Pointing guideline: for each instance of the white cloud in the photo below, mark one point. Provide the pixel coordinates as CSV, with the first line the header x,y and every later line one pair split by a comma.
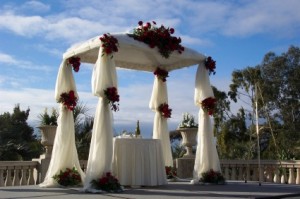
x,y
23,64
27,26
82,20
35,6
271,16
7,59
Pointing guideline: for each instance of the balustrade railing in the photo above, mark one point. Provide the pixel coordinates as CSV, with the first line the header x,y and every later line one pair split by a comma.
x,y
272,171
16,173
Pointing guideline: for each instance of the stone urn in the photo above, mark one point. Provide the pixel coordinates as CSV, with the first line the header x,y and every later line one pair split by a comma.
x,y
48,134
188,140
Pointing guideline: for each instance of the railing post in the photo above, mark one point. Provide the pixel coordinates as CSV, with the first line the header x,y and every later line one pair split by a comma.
x,y
30,177
226,171
283,176
241,172
233,173
248,176
291,176
1,178
16,178
298,176
8,181
276,178
269,173
23,176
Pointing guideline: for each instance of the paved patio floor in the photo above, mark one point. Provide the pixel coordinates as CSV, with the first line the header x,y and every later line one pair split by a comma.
x,y
174,190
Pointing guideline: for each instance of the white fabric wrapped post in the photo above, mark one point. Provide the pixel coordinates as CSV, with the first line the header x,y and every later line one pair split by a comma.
x,y
160,126
206,154
101,149
64,154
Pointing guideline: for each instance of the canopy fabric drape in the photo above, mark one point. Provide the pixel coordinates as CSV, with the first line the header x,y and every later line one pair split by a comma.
x,y
160,126
131,54
206,153
64,154
101,149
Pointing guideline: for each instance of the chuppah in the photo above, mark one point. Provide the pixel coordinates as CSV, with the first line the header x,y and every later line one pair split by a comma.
x,y
148,48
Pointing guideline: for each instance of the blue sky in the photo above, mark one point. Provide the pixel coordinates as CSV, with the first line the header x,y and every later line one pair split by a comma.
x,y
35,34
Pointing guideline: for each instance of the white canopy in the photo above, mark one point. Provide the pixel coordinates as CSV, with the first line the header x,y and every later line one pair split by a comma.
x,y
135,55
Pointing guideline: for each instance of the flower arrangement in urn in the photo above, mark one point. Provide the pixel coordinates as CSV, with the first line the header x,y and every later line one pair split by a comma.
x,y
188,129
47,119
188,121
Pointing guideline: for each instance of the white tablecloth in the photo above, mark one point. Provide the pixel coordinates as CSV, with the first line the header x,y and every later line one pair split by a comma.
x,y
139,162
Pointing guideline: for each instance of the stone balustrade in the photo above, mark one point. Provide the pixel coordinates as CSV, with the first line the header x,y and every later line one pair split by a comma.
x,y
272,171
16,173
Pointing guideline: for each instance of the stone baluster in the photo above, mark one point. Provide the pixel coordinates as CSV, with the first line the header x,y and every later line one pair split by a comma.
x,y
255,174
30,177
276,178
261,173
16,178
283,176
1,178
241,173
292,179
248,175
233,173
298,176
269,174
226,175
8,181
23,176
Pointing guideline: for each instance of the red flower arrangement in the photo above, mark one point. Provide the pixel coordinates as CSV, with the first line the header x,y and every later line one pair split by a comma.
x,y
69,177
210,65
158,37
75,62
170,172
113,98
212,176
107,183
69,100
165,110
208,105
161,74
109,43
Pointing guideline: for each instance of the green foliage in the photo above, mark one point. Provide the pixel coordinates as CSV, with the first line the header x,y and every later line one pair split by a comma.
x,y
274,85
188,121
46,119
17,139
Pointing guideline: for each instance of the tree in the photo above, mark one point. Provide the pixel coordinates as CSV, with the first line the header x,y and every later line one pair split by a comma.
x,y
274,85
280,93
17,139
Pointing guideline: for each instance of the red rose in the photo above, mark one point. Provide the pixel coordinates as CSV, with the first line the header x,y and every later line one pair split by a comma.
x,y
172,30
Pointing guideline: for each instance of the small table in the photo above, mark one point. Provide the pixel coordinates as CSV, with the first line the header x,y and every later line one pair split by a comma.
x,y
139,162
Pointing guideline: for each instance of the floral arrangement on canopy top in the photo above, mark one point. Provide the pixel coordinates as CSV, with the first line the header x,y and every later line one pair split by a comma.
x,y
109,44
158,37
210,65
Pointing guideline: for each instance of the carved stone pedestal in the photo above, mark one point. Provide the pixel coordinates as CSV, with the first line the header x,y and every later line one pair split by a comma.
x,y
185,167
